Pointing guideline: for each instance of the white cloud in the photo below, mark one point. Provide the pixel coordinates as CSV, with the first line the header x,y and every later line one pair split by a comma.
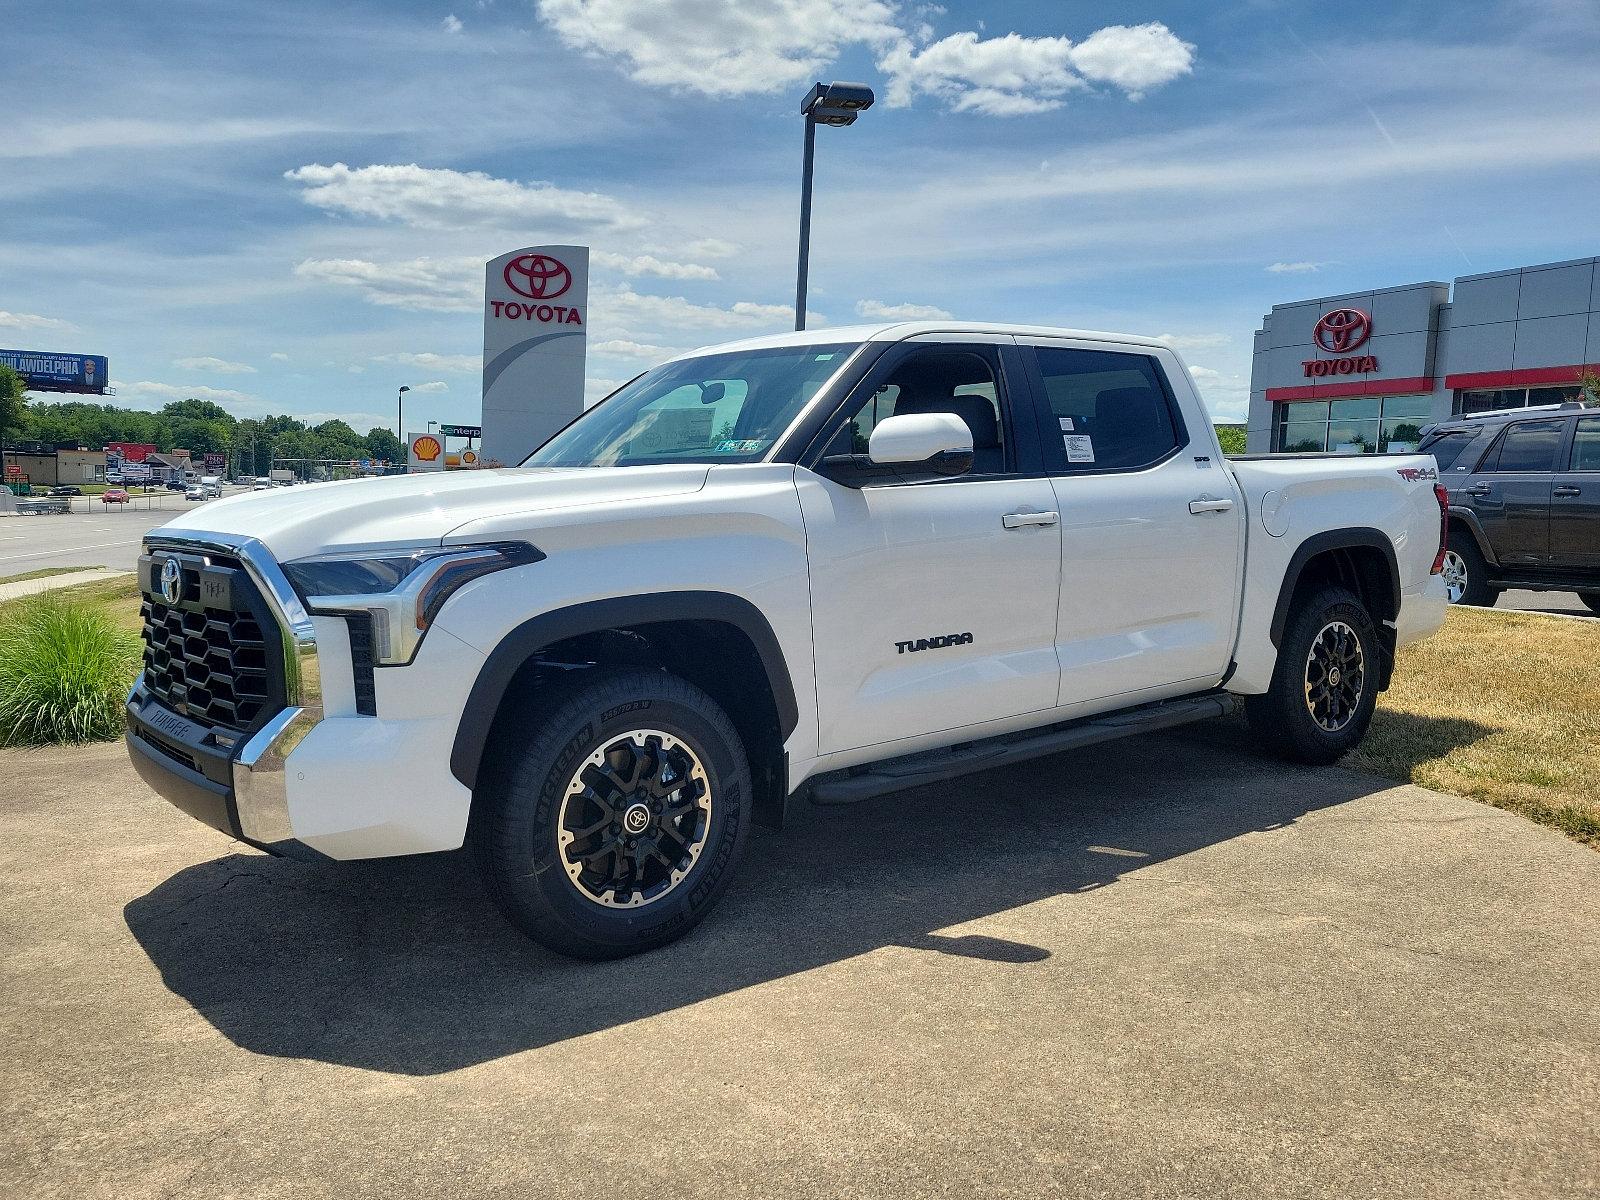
x,y
219,365
28,322
434,362
622,308
712,248
595,390
1205,373
420,284
1194,341
278,356
437,385
1013,75
649,264
150,391
622,348
878,310
355,369
721,49
439,198
451,24
1294,268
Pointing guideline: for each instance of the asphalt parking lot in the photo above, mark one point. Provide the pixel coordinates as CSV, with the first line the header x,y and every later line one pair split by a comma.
x,y
94,534
1170,969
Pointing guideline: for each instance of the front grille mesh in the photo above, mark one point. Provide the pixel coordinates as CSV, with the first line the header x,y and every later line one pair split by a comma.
x,y
209,661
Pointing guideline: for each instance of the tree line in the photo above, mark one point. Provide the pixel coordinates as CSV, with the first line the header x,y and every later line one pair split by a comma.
x,y
199,426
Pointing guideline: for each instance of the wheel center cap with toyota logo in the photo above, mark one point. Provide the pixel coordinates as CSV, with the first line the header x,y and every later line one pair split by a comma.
x,y
1343,330
636,818
537,276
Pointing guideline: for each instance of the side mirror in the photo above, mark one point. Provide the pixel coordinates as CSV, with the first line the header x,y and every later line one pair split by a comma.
x,y
906,447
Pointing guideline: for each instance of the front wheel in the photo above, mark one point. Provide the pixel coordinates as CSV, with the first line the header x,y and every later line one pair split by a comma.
x,y
1325,684
620,824
1466,575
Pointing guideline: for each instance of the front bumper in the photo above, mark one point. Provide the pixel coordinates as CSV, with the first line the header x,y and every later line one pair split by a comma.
x,y
233,782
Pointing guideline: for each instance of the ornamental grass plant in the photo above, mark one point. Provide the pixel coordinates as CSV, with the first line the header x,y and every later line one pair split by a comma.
x,y
65,670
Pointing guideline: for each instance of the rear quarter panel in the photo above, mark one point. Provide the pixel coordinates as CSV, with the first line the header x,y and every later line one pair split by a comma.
x,y
1291,498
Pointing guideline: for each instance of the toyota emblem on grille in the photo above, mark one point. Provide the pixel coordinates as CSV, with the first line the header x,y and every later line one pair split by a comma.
x,y
171,581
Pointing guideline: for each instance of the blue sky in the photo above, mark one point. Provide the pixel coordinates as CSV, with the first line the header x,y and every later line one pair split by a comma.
x,y
285,207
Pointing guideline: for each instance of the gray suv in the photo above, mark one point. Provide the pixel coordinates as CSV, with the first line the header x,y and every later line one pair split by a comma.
x,y
1524,502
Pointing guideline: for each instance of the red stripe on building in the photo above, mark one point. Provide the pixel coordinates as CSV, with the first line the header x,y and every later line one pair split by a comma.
x,y
1352,387
1523,377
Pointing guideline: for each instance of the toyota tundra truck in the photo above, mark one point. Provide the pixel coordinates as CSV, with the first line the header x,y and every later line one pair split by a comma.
x,y
834,564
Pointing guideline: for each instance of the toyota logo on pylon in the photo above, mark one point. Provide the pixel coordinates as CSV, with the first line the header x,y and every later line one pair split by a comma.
x,y
537,276
1342,330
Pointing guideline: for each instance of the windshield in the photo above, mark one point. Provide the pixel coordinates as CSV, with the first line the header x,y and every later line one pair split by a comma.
x,y
716,408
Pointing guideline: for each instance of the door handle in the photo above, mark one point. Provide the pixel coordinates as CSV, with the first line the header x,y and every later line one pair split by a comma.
x,y
1207,504
1479,489
1022,520
1567,489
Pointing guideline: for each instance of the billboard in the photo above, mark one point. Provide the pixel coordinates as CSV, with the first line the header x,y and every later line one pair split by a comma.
x,y
133,452
535,341
45,372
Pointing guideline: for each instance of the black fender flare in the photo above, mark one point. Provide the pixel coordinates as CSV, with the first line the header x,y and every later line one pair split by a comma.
x,y
1357,538
1475,527
618,612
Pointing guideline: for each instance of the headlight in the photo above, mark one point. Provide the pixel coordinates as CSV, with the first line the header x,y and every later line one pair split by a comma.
x,y
401,591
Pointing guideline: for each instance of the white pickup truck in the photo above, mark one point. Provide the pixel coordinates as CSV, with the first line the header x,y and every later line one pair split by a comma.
x,y
840,562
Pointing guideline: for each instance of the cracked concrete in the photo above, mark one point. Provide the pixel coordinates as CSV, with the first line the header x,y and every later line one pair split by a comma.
x,y
1175,969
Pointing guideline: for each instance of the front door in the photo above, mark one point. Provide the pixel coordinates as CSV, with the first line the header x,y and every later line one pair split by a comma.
x,y
931,610
1510,493
1151,528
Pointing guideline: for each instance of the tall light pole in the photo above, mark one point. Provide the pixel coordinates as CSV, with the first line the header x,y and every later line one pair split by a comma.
x,y
400,413
836,104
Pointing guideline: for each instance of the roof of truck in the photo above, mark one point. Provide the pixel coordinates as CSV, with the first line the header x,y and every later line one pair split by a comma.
x,y
895,331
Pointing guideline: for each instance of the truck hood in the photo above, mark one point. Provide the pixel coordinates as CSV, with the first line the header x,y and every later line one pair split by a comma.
x,y
421,509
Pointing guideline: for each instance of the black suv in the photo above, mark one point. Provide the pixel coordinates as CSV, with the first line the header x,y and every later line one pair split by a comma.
x,y
1524,501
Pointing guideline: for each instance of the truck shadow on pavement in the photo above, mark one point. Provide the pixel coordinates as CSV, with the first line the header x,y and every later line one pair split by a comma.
x,y
404,966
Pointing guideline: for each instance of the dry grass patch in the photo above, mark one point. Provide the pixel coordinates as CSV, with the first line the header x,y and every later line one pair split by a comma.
x,y
1502,707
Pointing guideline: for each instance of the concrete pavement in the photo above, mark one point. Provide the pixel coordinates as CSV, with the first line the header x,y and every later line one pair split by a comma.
x,y
1162,968
48,583
97,536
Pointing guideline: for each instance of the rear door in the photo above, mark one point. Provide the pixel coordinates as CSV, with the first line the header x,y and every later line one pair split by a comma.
x,y
933,600
1575,503
1510,493
1151,525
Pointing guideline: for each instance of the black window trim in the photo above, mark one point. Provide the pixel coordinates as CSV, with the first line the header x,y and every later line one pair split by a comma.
x,y
1045,417
1023,456
1563,446
1570,457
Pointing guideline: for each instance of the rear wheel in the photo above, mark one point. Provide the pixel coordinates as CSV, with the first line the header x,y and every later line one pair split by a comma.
x,y
618,827
1325,685
1466,574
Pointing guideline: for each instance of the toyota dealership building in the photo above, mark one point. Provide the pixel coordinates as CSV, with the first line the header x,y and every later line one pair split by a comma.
x,y
1361,373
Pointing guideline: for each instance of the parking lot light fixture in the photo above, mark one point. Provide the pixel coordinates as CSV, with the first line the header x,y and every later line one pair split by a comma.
x,y
835,104
400,413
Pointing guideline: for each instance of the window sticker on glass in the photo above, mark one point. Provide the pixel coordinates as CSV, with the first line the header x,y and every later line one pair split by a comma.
x,y
742,445
672,429
1080,447
1066,424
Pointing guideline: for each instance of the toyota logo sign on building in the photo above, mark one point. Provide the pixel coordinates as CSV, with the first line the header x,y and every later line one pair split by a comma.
x,y
1342,330
537,276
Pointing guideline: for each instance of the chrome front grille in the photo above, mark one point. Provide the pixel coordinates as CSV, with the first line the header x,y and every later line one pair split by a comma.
x,y
212,651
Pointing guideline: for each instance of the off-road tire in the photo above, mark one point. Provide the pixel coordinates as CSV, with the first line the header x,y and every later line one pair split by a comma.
x,y
516,828
1479,592
1284,717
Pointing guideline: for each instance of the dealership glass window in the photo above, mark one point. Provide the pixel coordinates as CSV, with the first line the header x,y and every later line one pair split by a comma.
x,y
1479,400
1358,425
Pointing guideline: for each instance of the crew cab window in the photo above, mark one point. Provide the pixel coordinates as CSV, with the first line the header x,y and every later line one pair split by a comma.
x,y
1526,446
1447,448
936,380
1111,411
1586,445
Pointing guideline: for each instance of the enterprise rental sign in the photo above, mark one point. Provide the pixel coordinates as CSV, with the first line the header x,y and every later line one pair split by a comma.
x,y
44,372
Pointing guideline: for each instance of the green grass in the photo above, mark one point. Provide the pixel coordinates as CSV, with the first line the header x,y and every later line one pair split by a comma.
x,y
66,663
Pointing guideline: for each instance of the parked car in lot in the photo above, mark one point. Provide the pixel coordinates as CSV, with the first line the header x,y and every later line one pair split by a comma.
x,y
262,484
66,489
114,496
196,492
840,562
175,484
1524,489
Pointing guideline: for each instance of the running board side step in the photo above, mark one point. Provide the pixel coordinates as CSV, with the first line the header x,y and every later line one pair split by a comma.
x,y
934,766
